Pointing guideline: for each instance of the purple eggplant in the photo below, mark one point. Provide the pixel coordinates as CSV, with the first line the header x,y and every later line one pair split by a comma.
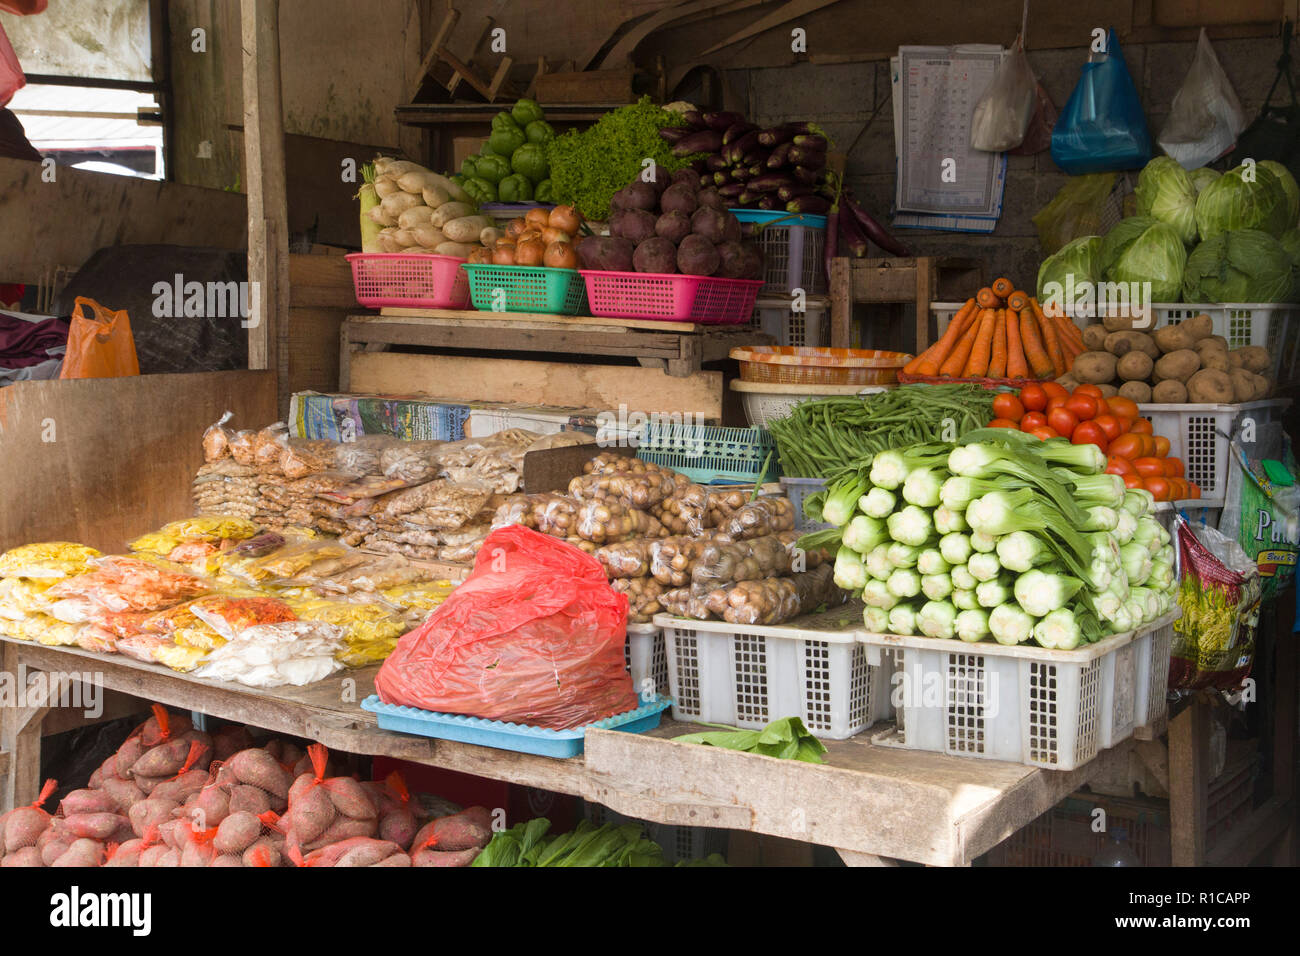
x,y
671,134
813,205
706,180
792,191
756,157
756,169
809,177
777,135
812,141
854,239
737,150
874,230
722,177
695,120
779,157
768,201
699,166
735,131
747,198
715,163
801,156
706,141
741,174
769,182
731,190
721,121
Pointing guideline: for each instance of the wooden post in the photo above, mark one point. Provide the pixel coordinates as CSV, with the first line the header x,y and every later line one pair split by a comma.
x,y
841,302
1189,770
927,278
268,208
20,739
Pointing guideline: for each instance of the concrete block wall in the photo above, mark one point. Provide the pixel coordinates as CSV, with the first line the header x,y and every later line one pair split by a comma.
x,y
845,97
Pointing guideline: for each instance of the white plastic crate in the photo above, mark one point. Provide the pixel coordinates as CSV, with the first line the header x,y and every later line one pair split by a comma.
x,y
1153,680
1199,435
774,316
797,489
1198,511
767,401
647,661
750,675
1045,708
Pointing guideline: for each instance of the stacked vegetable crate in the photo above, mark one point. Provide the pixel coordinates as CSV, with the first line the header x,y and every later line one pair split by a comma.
x,y
792,307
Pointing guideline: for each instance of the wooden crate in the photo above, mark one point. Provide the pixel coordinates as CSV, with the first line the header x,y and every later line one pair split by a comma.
x,y
899,281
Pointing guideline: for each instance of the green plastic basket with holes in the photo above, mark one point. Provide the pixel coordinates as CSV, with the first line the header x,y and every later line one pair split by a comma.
x,y
494,288
709,453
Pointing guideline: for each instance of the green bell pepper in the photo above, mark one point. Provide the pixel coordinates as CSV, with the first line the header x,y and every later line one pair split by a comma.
x,y
480,190
530,159
486,149
539,131
526,111
492,168
544,192
515,188
468,168
504,121
504,142
459,179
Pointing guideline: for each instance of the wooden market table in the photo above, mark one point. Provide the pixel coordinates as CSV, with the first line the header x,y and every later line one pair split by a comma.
x,y
875,805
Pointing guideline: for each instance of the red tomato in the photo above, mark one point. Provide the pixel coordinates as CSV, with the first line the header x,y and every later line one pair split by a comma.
x,y
1033,420
1003,423
1159,487
1150,467
1122,407
1044,433
1127,446
1062,420
1178,489
1090,433
1195,489
1093,390
1110,425
1007,406
1141,426
1174,468
1162,445
1115,465
1033,398
1055,390
1132,481
1125,422
1084,407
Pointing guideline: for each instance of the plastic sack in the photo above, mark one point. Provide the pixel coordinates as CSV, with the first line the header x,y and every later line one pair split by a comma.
x,y
23,8
1264,519
1084,206
272,655
11,73
1102,127
1039,135
1206,115
533,636
1214,640
1003,113
99,345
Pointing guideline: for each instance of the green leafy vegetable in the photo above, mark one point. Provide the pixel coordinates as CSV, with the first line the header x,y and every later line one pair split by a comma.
x,y
1244,265
785,739
1165,191
1248,197
1144,249
587,845
1075,266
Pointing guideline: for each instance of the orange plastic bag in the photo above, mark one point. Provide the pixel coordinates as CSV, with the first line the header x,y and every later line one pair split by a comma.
x,y
101,345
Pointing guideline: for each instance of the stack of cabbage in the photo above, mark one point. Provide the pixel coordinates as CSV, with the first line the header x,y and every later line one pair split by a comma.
x,y
1198,237
1001,535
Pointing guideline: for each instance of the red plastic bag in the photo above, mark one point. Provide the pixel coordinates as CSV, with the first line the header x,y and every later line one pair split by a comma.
x,y
23,8
11,73
101,345
533,636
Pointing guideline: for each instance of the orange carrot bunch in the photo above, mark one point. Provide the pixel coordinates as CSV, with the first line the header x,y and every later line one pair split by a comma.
x,y
1001,332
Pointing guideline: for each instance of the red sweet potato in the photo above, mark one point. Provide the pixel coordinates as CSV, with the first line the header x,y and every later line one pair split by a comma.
x,y
462,831
399,826
174,833
209,806
444,858
87,801
94,826
169,857
83,852
181,787
163,761
343,828
27,856
151,812
132,749
22,826
245,797
226,860
51,851
397,859
258,768
229,740
367,853
350,798
266,851
309,816
164,725
237,833
125,793
127,854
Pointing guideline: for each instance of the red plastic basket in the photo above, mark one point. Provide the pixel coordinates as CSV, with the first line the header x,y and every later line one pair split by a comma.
x,y
406,280
671,298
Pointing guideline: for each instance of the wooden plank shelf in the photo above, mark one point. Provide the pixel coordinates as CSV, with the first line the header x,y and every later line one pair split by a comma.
x,y
871,803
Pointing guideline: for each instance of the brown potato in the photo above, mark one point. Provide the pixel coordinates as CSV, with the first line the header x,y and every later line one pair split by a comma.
x,y
1118,323
1174,338
1094,337
1210,386
1264,385
1216,359
1094,368
1169,392
1139,392
1067,382
1121,343
1243,385
1134,366
1199,327
1255,358
1108,390
1181,365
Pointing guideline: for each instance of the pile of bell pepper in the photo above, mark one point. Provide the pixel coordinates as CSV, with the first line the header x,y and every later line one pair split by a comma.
x,y
511,166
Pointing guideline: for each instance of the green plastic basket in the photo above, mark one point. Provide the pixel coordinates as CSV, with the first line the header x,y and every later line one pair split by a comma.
x,y
708,453
495,288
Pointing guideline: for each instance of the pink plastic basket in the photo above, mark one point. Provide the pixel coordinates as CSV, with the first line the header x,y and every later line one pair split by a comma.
x,y
407,280
671,298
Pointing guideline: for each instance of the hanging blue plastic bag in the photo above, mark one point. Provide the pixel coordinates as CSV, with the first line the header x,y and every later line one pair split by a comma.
x,y
1102,128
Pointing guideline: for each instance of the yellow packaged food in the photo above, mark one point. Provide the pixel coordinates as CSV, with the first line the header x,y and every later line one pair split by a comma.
x,y
370,630
424,596
210,528
179,657
50,630
48,559
20,597
200,638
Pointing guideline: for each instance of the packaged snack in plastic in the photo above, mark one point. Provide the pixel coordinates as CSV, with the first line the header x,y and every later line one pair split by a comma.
x,y
216,439
361,457
273,655
773,555
672,559
642,490
612,463
759,517
421,596
374,574
411,460
723,504
463,553
130,584
228,616
207,528
20,597
47,560
291,560
643,596
626,559
242,447
444,505
268,447
607,520
370,630
301,458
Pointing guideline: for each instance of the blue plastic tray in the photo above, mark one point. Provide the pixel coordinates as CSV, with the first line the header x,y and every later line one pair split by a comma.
x,y
811,220
506,736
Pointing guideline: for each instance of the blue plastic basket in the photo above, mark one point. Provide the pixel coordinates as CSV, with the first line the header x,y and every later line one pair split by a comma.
x,y
709,453
792,250
506,736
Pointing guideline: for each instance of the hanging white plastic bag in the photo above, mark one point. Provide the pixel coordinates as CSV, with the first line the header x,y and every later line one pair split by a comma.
x,y
1206,115
1003,113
